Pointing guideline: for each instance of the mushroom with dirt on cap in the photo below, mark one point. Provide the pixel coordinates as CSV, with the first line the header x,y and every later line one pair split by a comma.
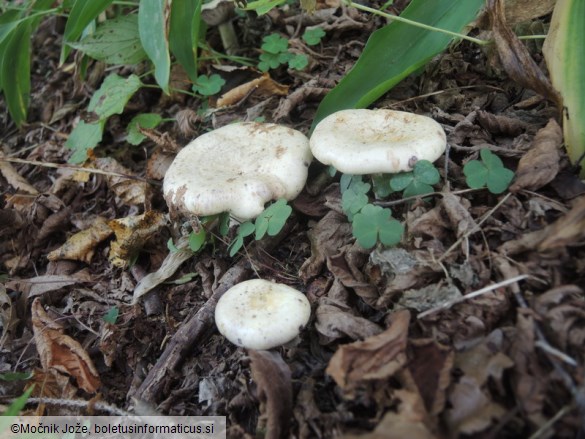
x,y
237,169
259,314
376,141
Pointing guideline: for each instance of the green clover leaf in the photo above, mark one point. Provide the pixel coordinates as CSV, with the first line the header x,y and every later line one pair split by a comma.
x,y
298,62
354,198
273,218
375,223
208,85
381,183
313,36
490,172
274,43
197,239
245,229
417,182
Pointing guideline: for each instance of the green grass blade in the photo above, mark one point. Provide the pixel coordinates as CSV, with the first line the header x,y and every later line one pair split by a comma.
x,y
184,34
564,51
153,34
15,71
397,50
82,14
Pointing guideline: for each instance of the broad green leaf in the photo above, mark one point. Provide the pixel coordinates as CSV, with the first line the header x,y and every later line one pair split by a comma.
x,y
245,229
499,180
184,34
114,42
313,36
82,14
397,50
15,71
85,136
8,22
417,188
564,52
354,198
381,183
476,174
298,61
145,120
274,43
112,96
400,181
15,376
263,6
153,34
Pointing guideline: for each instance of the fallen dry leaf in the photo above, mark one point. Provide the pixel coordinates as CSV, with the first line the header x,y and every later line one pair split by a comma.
x,y
430,365
39,285
472,411
128,190
273,380
14,179
569,229
377,357
409,421
132,232
60,352
81,246
515,57
264,85
7,318
336,320
541,163
326,237
500,125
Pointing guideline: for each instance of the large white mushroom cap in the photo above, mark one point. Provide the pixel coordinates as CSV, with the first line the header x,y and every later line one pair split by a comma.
x,y
259,314
376,141
237,169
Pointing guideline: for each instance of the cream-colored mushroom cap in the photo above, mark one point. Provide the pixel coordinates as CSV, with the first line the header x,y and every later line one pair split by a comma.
x,y
237,169
259,314
376,141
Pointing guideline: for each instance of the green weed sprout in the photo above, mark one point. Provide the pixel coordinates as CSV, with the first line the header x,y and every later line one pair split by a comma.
x,y
313,36
490,172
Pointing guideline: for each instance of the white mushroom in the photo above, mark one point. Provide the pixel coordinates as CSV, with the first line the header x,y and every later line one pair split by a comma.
x,y
376,141
237,169
259,314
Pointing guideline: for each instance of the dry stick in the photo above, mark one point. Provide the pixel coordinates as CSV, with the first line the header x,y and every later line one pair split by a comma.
x,y
77,403
450,303
183,341
475,229
77,168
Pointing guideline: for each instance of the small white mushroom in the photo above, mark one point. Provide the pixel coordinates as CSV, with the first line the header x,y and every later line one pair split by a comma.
x,y
376,141
237,169
259,314
219,13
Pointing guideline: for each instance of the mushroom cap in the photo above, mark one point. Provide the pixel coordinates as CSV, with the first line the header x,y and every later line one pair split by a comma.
x,y
217,12
259,314
376,141
237,169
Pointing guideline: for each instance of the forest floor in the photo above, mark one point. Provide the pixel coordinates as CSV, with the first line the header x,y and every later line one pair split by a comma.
x,y
393,347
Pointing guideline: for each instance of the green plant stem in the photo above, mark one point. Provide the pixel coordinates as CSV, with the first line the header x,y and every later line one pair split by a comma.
x,y
415,23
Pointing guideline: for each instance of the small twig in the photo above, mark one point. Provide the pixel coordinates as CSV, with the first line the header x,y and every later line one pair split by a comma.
x,y
556,353
414,197
78,403
78,168
416,23
450,303
446,90
543,430
475,229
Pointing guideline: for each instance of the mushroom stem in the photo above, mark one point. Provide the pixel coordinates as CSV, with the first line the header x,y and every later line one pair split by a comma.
x,y
229,39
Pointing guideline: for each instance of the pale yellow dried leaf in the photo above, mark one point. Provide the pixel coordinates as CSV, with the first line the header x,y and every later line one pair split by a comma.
x,y
82,245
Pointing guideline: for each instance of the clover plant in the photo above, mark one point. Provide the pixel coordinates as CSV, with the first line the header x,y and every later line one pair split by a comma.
x,y
419,181
275,53
490,172
208,85
313,36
